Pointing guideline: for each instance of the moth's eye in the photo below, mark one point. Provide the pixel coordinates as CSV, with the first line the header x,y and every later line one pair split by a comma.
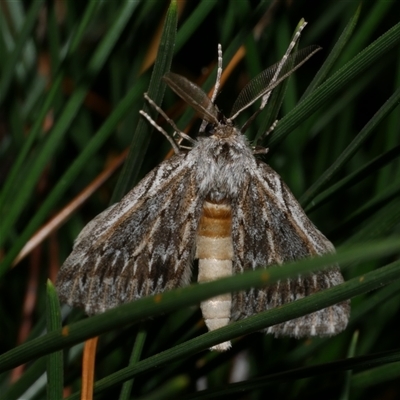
x,y
209,130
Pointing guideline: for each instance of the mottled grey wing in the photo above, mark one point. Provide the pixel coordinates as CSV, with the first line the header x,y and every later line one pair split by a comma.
x,y
270,227
140,246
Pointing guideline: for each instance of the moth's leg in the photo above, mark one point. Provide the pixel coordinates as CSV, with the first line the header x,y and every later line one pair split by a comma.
x,y
265,98
258,148
182,135
271,128
276,77
158,127
219,73
216,86
285,57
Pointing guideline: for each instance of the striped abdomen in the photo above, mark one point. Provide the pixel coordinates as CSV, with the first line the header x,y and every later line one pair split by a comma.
x,y
215,251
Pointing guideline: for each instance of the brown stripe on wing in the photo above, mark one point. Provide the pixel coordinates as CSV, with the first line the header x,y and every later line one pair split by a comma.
x,y
270,227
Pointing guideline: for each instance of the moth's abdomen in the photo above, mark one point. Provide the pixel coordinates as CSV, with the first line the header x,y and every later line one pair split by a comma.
x,y
215,251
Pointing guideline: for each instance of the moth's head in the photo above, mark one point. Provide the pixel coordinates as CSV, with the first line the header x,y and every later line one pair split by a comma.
x,y
224,128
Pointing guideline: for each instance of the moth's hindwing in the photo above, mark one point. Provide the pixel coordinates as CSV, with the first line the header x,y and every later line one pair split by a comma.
x,y
140,246
270,227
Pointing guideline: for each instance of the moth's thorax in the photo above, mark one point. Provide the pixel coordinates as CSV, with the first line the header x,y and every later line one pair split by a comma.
x,y
222,162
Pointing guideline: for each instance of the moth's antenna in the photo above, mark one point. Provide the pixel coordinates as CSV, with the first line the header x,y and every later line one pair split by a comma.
x,y
169,120
216,86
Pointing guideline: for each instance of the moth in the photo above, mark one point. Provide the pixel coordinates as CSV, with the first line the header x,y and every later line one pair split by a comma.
x,y
215,202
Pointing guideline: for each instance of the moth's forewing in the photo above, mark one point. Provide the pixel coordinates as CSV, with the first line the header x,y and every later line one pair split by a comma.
x,y
273,229
140,246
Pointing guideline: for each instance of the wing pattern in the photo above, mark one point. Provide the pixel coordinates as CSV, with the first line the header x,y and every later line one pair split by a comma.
x,y
140,246
277,232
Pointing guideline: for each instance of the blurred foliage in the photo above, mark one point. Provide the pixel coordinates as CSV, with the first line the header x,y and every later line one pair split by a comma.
x,y
72,79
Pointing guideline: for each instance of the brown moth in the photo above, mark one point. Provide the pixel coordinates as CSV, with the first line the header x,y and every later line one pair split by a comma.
x,y
216,203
